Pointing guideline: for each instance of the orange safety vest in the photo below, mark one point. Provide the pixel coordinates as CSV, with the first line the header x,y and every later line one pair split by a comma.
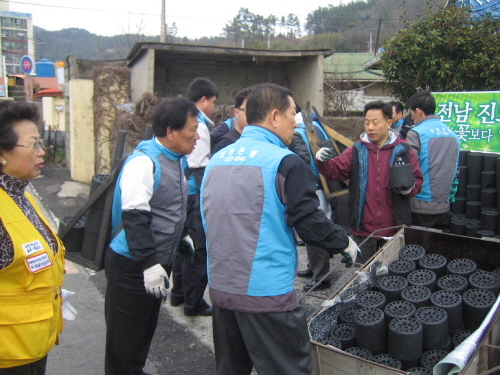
x,y
30,289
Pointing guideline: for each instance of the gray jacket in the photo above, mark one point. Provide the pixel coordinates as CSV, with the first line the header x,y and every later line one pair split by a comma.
x,y
437,148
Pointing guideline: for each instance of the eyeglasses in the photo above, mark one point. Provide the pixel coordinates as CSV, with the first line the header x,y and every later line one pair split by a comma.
x,y
37,145
241,109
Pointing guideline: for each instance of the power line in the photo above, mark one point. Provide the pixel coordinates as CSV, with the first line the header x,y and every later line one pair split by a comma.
x,y
118,11
322,17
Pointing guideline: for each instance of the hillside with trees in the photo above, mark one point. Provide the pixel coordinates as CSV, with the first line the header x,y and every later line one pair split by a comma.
x,y
358,26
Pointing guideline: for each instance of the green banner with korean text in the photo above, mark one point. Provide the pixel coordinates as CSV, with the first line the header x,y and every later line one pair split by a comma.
x,y
473,116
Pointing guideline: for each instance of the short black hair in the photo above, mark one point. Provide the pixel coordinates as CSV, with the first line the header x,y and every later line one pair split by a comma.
x,y
10,113
201,87
397,104
424,101
263,99
241,96
173,114
386,108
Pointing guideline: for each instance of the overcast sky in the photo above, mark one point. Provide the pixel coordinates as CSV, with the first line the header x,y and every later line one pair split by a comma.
x,y
193,18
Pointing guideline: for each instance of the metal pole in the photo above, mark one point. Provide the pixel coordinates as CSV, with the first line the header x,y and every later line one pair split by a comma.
x,y
163,29
5,79
378,33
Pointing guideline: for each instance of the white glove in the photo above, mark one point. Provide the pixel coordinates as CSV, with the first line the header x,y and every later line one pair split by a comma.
x,y
325,154
405,192
350,253
68,311
156,282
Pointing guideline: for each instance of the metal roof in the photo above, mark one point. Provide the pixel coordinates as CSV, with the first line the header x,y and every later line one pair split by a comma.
x,y
200,52
351,66
480,7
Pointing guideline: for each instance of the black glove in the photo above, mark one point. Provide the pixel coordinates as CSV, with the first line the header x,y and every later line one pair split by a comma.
x,y
186,249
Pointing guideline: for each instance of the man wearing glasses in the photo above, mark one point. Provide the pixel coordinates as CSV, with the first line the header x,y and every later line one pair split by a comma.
x,y
239,121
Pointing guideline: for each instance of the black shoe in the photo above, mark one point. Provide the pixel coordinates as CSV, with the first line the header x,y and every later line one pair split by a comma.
x,y
176,301
305,273
323,285
300,243
207,311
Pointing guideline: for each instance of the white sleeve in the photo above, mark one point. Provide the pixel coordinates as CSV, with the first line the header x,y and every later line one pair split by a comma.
x,y
137,184
298,118
201,154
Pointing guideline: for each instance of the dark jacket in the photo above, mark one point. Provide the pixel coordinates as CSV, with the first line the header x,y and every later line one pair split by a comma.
x,y
229,138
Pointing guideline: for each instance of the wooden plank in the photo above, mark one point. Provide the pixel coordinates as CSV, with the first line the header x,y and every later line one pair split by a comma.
x,y
313,140
107,189
338,362
332,133
337,136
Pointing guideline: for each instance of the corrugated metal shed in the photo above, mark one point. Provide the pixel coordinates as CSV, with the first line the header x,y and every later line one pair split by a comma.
x,y
352,67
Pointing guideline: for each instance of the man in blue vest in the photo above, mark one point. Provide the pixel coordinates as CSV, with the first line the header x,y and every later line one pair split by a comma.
x,y
437,148
149,204
189,271
397,117
253,194
239,121
318,260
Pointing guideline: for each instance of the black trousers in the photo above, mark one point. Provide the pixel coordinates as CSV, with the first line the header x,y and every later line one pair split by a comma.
x,y
369,248
190,279
319,262
33,368
131,316
441,221
273,343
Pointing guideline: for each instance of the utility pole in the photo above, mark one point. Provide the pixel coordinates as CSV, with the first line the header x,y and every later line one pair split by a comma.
x,y
378,34
163,29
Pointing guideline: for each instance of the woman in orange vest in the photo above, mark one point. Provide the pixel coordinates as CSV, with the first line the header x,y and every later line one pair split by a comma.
x,y
31,254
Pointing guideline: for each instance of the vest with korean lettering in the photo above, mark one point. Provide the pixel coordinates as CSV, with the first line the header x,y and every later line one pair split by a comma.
x,y
250,247
438,159
30,289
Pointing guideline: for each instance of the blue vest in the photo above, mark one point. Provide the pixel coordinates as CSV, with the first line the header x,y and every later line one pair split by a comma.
x,y
301,130
168,202
251,250
445,165
397,124
229,122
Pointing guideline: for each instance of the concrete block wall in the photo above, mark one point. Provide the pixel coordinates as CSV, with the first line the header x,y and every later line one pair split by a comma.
x,y
306,77
142,76
172,79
